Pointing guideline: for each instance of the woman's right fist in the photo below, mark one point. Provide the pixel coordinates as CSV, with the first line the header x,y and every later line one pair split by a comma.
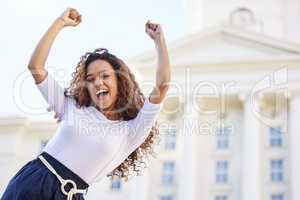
x,y
70,17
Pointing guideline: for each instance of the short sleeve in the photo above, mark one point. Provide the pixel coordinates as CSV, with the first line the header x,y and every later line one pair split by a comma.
x,y
140,126
53,93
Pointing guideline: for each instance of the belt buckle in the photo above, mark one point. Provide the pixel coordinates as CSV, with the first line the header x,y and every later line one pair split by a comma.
x,y
64,183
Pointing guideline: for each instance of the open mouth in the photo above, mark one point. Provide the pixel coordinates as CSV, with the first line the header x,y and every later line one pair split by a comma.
x,y
101,93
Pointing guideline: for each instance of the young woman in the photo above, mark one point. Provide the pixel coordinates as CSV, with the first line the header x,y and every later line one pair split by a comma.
x,y
107,125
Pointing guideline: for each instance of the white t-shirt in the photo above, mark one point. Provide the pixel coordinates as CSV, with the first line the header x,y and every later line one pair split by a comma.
x,y
86,141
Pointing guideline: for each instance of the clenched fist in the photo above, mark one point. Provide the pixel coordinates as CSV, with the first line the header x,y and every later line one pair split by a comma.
x,y
154,30
70,17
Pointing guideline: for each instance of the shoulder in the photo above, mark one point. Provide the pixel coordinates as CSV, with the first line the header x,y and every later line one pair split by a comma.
x,y
148,105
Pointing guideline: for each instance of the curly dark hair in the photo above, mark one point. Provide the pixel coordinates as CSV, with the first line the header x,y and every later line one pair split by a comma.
x,y
129,102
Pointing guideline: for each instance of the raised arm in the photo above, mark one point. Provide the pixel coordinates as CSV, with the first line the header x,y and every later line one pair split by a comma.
x,y
52,92
141,125
70,17
163,73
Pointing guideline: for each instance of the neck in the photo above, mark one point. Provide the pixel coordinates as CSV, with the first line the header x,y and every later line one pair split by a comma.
x,y
111,115
109,112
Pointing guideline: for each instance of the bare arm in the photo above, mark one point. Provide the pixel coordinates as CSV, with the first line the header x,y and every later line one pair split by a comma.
x,y
38,59
163,73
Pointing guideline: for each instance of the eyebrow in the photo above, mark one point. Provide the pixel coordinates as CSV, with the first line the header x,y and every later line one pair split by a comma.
x,y
96,73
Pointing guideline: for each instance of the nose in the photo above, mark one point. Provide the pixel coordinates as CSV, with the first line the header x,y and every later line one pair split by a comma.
x,y
98,82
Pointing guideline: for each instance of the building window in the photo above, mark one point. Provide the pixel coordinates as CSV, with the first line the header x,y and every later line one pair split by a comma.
x,y
223,138
115,185
170,139
221,172
277,197
168,173
166,197
221,197
276,137
276,170
243,17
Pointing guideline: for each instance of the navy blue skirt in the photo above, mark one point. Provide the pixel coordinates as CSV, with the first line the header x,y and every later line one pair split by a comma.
x,y
34,181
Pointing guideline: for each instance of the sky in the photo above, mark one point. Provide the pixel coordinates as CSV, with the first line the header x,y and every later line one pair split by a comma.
x,y
116,25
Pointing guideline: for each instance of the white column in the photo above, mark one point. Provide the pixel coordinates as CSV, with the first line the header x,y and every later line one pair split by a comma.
x,y
187,165
251,178
294,133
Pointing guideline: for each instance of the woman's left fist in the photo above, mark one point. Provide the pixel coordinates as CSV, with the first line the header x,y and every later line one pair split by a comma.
x,y
154,30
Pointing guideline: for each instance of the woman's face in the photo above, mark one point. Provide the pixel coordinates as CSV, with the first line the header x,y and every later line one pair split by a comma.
x,y
102,84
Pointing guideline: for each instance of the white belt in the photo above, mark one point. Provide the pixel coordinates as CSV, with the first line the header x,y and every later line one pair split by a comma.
x,y
63,182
